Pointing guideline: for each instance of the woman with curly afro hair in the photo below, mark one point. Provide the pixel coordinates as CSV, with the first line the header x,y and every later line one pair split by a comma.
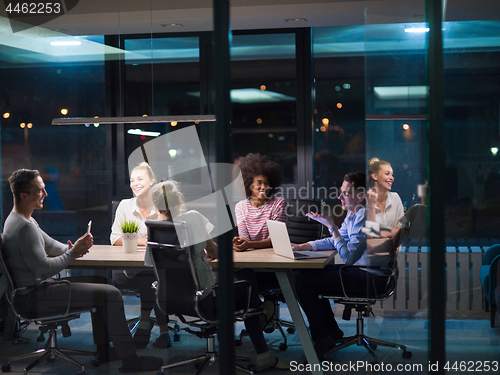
x,y
261,177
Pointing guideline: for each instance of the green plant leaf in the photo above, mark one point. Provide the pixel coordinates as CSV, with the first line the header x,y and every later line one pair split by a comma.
x,y
130,226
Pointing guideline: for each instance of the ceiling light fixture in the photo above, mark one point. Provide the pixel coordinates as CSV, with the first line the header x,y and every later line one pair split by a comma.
x,y
143,132
66,43
417,30
172,25
295,20
131,119
401,92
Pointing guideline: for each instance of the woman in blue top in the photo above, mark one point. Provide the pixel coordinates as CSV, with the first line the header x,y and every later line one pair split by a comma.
x,y
350,243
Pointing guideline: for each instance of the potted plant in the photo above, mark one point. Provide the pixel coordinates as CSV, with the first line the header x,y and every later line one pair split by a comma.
x,y
129,236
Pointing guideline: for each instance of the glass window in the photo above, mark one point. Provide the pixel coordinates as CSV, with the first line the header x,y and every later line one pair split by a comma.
x,y
162,76
263,96
41,82
339,105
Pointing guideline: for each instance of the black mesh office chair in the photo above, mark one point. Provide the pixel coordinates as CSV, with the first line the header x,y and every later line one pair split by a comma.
x,y
48,323
178,291
386,263
128,287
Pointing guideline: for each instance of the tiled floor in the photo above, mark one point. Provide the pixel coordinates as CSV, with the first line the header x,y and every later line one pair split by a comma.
x,y
469,338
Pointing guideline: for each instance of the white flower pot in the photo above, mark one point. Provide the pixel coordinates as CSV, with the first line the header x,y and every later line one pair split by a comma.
x,y
129,242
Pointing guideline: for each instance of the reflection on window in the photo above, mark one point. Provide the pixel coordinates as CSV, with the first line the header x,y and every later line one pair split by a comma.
x,y
263,97
162,76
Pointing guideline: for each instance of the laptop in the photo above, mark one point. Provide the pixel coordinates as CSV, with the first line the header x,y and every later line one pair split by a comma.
x,y
281,243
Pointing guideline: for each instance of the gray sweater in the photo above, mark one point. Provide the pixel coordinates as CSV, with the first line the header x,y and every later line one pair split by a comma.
x,y
26,249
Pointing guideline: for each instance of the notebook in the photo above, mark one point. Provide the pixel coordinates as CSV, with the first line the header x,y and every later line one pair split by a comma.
x,y
281,242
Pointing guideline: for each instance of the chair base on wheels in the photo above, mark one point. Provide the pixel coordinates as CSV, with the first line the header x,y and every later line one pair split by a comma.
x,y
209,358
361,339
51,351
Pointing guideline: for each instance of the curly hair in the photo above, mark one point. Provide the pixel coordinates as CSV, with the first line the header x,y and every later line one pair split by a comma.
x,y
256,164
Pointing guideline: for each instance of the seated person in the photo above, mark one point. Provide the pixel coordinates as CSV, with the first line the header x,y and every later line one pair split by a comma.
x,y
351,246
139,209
261,178
383,206
169,202
27,249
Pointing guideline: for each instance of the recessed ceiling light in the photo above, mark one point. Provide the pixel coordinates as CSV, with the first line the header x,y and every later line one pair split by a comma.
x,y
295,20
172,25
66,43
417,30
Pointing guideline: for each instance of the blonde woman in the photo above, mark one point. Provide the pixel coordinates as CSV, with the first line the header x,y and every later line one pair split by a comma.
x,y
383,205
139,209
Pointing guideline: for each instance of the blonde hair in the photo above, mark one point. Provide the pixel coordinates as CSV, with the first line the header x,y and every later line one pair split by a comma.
x,y
167,197
374,167
145,167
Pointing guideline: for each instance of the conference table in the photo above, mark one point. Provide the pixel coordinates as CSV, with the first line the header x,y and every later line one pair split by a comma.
x,y
112,257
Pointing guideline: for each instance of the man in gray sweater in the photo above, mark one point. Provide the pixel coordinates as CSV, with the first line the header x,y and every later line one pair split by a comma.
x,y
27,249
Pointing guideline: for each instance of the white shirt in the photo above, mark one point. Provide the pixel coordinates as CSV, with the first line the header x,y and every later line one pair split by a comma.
x,y
128,210
393,212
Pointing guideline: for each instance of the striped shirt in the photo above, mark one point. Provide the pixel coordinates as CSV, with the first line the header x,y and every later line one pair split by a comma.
x,y
252,221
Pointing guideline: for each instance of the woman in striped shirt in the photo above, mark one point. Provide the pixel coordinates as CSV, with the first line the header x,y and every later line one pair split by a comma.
x,y
261,177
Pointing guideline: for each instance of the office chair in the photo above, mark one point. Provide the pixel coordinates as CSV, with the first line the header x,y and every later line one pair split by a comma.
x,y
415,225
300,229
488,274
362,302
178,291
48,323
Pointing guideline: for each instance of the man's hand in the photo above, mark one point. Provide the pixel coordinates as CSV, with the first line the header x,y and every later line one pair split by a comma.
x,y
240,244
325,220
302,246
82,245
